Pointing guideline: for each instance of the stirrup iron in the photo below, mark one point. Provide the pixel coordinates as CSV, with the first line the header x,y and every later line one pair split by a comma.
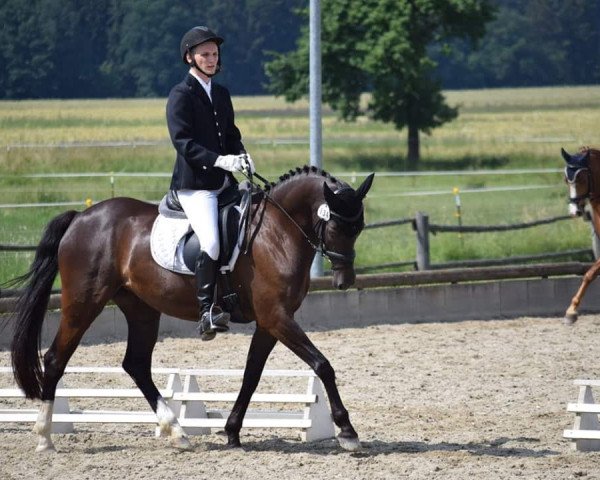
x,y
209,324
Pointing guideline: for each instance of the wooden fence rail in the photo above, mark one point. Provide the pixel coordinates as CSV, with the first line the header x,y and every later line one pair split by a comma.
x,y
17,248
494,228
458,275
423,230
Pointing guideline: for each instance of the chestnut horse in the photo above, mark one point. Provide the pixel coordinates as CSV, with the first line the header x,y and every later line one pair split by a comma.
x,y
582,175
103,253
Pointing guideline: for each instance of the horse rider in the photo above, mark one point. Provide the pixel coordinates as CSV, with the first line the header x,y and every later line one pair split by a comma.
x,y
209,148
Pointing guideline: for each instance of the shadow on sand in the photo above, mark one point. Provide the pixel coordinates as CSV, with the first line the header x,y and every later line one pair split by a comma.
x,y
494,448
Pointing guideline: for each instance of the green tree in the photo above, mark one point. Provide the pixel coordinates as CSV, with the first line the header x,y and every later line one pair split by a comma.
x,y
144,43
530,43
53,48
382,46
21,47
250,27
75,34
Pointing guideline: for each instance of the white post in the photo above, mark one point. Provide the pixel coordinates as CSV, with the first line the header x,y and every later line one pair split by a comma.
x,y
586,421
321,422
61,406
315,104
193,408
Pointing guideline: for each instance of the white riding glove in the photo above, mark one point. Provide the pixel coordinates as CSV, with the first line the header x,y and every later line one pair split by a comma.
x,y
236,163
231,163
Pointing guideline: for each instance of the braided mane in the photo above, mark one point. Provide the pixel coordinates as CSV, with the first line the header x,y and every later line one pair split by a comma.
x,y
594,153
293,174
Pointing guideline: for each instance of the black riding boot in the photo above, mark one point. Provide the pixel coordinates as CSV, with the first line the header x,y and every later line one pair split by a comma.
x,y
212,318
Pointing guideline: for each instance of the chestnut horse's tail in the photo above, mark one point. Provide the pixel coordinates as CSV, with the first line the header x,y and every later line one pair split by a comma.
x,y
32,304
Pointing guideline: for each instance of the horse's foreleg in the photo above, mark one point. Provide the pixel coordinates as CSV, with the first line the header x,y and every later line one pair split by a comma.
x,y
261,346
572,313
143,323
292,336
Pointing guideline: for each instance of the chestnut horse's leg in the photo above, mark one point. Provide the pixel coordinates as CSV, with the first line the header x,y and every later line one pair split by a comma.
x,y
571,313
261,346
143,322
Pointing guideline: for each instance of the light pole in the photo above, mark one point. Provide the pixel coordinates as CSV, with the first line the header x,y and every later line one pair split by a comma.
x,y
315,104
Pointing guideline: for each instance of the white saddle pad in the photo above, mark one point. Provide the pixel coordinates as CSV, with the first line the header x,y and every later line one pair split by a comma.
x,y
167,248
164,241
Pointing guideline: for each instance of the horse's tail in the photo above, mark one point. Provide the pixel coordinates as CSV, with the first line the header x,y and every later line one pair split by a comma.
x,y
32,304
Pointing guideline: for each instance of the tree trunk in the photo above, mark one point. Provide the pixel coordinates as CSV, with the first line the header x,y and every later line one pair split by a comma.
x,y
413,148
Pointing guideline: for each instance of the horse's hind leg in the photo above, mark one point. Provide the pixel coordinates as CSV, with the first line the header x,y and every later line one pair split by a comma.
x,y
261,346
143,322
76,317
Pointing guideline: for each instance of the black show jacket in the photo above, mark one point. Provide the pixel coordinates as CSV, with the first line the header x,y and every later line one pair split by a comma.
x,y
200,132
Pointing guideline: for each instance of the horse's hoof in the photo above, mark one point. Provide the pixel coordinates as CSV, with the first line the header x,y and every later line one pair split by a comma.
x,y
350,444
233,442
234,445
44,447
570,319
181,443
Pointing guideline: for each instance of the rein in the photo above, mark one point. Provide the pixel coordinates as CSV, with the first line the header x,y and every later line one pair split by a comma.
x,y
331,255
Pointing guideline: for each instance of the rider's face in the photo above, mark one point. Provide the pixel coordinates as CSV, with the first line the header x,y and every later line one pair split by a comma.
x,y
206,56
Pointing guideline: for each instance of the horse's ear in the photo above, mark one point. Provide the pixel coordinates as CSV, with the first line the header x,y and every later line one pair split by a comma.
x,y
335,203
361,192
330,197
579,160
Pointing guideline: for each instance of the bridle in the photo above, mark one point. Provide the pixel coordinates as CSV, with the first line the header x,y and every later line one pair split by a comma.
x,y
571,181
338,260
341,259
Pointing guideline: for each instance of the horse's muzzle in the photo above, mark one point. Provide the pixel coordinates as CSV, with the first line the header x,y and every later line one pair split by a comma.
x,y
575,209
343,279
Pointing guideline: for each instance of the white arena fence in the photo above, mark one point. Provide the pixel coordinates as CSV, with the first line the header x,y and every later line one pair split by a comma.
x,y
111,177
585,434
186,393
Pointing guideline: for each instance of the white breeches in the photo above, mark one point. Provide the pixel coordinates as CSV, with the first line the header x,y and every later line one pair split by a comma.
x,y
202,210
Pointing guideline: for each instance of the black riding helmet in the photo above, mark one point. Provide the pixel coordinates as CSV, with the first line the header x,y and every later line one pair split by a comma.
x,y
196,36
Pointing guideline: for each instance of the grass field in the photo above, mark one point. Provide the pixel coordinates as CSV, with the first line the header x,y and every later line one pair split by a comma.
x,y
497,130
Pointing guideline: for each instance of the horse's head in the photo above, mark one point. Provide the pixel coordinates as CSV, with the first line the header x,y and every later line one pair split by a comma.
x,y
342,218
579,179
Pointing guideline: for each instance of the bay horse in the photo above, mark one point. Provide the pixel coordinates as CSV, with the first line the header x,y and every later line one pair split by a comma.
x,y
582,175
103,253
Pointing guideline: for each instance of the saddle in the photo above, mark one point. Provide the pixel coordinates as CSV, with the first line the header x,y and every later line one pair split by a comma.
x,y
176,247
